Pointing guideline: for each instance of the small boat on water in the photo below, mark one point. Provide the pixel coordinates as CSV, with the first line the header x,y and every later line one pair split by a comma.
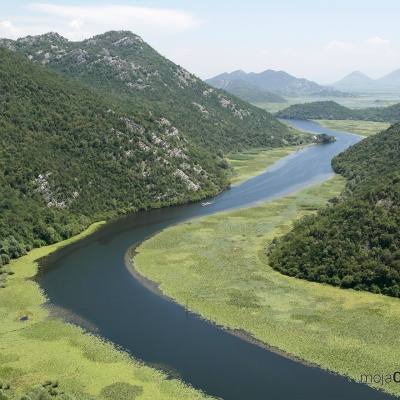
x,y
205,204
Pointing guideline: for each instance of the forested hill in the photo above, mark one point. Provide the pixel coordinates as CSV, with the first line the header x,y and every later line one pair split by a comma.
x,y
72,154
333,110
354,243
69,157
121,64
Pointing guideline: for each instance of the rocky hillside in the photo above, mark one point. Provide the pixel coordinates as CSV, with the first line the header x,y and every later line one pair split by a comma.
x,y
121,65
69,157
88,133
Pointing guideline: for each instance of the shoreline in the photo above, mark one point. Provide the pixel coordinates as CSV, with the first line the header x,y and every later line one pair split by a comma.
x,y
240,333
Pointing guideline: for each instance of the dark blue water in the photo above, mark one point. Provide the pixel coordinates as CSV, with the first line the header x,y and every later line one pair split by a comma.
x,y
90,279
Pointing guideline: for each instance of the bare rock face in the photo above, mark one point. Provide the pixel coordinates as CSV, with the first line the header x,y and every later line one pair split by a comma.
x,y
191,185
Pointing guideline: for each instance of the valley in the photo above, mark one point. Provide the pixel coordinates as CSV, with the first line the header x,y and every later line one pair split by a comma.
x,y
121,172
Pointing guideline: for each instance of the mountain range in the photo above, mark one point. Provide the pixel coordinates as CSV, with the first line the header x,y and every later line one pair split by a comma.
x,y
277,82
359,82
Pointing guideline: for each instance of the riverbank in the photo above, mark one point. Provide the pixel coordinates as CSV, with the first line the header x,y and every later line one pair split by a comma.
x,y
222,260
36,347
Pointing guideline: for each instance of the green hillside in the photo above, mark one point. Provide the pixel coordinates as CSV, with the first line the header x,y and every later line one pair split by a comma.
x,y
333,110
354,243
317,110
68,158
122,65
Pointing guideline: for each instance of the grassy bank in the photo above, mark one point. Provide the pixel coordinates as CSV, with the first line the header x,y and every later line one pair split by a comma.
x,y
362,128
222,260
35,348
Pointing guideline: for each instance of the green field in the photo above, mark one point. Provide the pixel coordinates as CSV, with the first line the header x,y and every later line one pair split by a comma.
x,y
223,261
362,128
36,347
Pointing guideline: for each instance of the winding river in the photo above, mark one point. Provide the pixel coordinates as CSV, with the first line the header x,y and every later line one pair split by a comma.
x,y
89,279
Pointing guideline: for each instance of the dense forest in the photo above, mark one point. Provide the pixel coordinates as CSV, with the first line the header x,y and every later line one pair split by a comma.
x,y
68,158
74,151
354,242
332,110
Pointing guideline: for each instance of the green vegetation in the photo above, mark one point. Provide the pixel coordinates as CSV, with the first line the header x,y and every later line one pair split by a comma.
x,y
354,243
362,128
331,110
222,260
44,358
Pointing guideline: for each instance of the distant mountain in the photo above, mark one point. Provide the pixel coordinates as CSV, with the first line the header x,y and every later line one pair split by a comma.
x,y
391,80
333,110
246,91
354,81
359,82
278,82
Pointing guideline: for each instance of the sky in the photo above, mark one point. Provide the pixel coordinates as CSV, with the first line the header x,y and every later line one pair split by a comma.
x,y
318,40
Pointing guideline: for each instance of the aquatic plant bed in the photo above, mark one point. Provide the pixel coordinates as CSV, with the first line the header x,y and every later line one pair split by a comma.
x,y
222,261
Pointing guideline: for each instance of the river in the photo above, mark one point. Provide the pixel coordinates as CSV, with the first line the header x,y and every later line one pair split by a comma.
x,y
89,279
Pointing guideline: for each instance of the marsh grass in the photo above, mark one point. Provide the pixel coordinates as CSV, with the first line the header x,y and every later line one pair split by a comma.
x,y
254,162
42,348
223,261
362,128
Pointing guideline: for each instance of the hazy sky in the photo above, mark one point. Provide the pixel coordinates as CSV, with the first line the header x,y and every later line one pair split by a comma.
x,y
314,39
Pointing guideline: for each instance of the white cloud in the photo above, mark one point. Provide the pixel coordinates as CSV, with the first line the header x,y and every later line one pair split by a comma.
x,y
336,45
77,23
377,41
143,21
7,29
